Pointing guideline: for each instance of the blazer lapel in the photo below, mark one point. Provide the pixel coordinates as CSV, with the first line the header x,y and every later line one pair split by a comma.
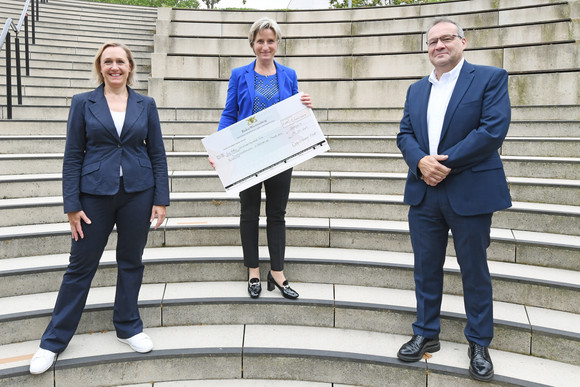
x,y
249,76
101,111
135,107
422,102
284,88
463,82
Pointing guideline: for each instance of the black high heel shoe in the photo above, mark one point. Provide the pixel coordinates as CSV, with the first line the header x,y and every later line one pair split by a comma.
x,y
254,287
286,290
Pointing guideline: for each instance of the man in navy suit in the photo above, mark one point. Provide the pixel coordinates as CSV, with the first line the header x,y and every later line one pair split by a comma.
x,y
453,124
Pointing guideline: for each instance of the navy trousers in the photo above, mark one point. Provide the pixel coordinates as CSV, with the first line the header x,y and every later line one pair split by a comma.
x,y
277,191
429,225
131,213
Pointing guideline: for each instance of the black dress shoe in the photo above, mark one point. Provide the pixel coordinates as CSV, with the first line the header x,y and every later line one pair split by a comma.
x,y
480,365
254,287
414,349
286,290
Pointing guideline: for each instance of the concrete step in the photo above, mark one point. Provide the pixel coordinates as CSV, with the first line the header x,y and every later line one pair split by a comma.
x,y
52,59
31,120
384,310
63,43
38,100
514,60
62,28
527,247
512,146
553,191
539,217
73,80
59,70
182,25
69,48
336,355
57,91
375,43
524,89
567,168
47,49
85,5
79,15
533,121
371,14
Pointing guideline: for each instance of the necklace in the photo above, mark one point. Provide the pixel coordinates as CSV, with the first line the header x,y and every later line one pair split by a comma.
x,y
266,72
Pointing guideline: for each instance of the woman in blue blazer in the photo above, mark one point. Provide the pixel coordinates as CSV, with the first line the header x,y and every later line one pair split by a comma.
x,y
114,174
253,88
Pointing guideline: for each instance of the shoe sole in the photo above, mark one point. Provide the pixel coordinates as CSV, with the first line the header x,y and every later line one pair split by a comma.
x,y
429,348
38,372
124,341
475,376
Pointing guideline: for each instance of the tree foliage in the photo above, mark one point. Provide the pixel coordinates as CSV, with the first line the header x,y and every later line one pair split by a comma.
x,y
377,3
155,3
211,3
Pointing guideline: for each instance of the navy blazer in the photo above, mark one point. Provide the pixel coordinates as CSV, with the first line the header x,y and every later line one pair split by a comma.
x,y
241,92
94,152
475,124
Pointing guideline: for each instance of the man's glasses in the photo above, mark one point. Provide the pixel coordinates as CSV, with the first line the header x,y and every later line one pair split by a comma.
x,y
445,39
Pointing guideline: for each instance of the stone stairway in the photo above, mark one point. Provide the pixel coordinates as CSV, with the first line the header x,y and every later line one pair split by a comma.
x,y
349,252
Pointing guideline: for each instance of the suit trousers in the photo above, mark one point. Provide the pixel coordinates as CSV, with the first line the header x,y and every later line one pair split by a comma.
x,y
277,191
131,213
429,225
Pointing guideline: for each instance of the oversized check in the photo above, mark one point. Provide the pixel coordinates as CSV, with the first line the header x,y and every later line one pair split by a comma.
x,y
265,144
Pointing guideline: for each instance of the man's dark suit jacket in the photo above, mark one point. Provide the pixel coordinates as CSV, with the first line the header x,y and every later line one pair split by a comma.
x,y
475,124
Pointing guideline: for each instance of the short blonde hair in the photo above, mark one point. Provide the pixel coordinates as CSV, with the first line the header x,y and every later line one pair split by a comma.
x,y
98,77
264,24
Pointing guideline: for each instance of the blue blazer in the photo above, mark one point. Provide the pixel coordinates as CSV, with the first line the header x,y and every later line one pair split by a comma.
x,y
94,152
475,125
241,92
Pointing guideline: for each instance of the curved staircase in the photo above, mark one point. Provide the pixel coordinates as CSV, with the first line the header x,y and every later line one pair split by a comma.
x,y
349,252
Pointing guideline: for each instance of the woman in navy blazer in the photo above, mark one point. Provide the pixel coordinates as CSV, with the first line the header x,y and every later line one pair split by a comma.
x,y
253,88
114,174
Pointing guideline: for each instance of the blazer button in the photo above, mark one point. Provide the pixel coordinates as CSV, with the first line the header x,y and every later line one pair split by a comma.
x,y
118,145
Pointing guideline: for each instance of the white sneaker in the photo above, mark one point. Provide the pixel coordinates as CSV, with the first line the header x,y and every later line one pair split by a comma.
x,y
42,360
139,343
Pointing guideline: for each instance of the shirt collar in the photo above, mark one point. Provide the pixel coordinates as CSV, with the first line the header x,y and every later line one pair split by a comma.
x,y
448,76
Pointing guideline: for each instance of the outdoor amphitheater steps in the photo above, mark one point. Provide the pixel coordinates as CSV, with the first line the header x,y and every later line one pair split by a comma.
x,y
534,190
519,278
323,354
524,216
67,36
352,269
206,290
535,42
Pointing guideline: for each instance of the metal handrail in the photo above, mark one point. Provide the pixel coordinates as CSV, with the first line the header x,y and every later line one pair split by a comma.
x,y
5,37
5,32
22,16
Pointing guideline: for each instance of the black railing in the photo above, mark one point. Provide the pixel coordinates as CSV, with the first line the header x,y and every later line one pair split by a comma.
x,y
6,38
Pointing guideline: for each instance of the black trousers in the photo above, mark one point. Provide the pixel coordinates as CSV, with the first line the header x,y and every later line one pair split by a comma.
x,y
277,190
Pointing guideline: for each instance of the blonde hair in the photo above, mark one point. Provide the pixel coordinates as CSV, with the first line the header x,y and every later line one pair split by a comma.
x,y
264,24
98,77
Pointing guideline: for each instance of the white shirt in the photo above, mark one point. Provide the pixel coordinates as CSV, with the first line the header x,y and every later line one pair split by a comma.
x,y
441,91
119,120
